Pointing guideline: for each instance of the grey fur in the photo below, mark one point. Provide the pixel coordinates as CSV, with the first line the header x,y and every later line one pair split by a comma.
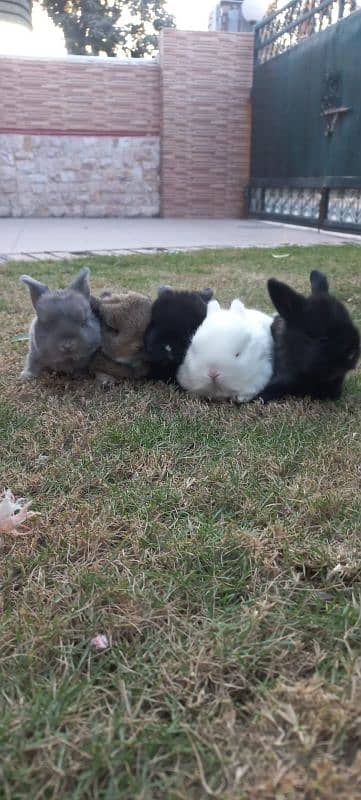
x,y
35,287
65,333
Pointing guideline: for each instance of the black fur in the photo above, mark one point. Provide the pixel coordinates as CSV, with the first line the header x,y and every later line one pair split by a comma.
x,y
315,342
175,318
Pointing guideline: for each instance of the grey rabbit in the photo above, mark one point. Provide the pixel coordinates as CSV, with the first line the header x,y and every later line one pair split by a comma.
x,y
65,332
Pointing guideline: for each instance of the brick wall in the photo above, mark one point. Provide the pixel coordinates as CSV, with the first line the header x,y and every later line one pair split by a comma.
x,y
79,137
79,94
108,137
206,122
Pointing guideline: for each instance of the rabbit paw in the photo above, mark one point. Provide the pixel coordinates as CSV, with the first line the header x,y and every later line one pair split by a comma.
x,y
105,381
243,398
26,375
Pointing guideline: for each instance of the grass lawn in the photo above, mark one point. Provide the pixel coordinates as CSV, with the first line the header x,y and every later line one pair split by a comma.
x,y
217,546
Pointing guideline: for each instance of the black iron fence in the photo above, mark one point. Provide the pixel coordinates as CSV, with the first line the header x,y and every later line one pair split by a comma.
x,y
296,21
306,109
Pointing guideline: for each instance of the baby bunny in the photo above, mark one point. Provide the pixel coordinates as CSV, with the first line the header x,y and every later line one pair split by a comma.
x,y
175,317
230,355
123,320
65,333
315,342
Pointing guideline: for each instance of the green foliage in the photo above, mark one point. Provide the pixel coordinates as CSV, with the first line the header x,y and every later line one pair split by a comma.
x,y
110,27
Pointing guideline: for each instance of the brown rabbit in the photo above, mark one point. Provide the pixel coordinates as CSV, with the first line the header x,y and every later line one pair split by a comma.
x,y
124,318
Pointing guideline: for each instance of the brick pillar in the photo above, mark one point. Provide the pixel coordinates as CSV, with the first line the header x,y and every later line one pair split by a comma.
x,y
206,79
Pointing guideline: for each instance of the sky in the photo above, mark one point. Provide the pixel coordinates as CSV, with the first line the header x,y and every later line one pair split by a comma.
x,y
47,40
191,14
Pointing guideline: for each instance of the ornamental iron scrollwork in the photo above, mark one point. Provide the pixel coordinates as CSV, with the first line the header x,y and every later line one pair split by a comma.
x,y
343,205
295,21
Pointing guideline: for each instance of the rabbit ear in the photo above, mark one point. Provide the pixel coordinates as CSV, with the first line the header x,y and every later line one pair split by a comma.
x,y
95,305
80,282
319,282
213,307
35,287
163,290
237,307
206,294
289,304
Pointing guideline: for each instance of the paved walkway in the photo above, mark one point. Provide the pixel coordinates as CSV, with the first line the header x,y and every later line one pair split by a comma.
x,y
56,238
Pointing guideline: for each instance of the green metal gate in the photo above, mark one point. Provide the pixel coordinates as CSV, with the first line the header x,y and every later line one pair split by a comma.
x,y
306,138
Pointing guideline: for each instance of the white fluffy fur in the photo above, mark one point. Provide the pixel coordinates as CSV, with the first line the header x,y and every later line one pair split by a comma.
x,y
236,343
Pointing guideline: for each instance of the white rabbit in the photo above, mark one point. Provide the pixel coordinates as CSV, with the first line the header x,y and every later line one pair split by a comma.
x,y
230,355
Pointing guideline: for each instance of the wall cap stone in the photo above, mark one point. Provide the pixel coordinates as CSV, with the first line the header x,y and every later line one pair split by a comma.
x,y
94,60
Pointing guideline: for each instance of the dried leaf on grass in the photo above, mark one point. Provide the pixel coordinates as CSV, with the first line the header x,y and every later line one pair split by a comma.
x,y
100,642
21,337
13,514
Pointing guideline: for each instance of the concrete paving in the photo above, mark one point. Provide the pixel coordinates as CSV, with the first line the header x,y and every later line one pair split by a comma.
x,y
40,238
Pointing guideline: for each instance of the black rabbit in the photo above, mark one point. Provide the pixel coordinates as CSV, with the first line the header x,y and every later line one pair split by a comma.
x,y
175,317
315,342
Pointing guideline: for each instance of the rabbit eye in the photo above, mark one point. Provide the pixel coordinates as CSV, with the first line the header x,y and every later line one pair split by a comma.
x,y
352,355
168,348
237,354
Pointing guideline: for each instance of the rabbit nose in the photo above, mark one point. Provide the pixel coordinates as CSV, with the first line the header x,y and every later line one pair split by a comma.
x,y
67,347
213,373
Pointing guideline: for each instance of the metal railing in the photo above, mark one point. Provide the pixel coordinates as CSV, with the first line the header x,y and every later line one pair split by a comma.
x,y
296,21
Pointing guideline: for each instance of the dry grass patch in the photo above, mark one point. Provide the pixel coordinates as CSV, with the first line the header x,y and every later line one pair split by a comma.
x,y
217,547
